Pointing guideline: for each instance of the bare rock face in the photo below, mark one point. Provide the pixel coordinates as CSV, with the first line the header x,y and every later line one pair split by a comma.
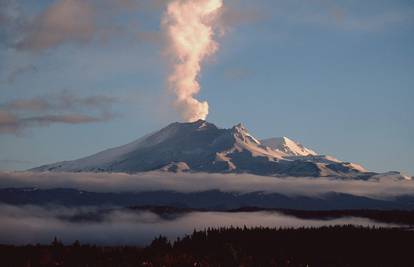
x,y
203,147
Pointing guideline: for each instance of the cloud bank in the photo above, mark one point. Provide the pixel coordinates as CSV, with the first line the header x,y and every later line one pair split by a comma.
x,y
382,187
33,224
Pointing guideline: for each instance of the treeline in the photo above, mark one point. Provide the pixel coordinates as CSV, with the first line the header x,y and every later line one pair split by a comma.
x,y
227,247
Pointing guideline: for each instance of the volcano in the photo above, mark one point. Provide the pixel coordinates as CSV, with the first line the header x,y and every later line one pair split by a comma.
x,y
203,147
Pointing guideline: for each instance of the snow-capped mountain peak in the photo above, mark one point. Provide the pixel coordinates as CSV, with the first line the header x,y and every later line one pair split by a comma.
x,y
288,146
202,147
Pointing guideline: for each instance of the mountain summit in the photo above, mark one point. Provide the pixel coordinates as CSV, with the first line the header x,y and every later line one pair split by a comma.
x,y
288,146
203,147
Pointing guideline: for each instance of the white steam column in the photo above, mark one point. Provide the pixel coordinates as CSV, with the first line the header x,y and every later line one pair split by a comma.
x,y
189,28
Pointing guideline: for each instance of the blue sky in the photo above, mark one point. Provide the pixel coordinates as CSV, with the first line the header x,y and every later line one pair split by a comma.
x,y
338,76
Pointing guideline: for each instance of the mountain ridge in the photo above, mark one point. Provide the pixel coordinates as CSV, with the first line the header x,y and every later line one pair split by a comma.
x,y
201,146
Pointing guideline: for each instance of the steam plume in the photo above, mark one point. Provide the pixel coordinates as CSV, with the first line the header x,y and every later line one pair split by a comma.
x,y
189,28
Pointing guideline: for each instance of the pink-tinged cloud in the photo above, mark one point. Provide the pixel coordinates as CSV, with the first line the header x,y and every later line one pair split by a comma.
x,y
63,21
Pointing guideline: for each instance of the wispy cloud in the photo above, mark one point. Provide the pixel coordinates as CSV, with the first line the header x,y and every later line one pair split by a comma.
x,y
17,115
74,22
62,21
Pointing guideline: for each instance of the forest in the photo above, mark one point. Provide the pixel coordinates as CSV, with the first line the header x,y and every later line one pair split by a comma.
x,y
325,246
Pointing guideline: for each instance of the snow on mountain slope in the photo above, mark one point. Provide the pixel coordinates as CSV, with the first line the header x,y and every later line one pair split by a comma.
x,y
245,141
288,146
202,147
99,159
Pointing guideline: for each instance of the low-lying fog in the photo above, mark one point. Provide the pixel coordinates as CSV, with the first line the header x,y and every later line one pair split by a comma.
x,y
34,224
30,224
